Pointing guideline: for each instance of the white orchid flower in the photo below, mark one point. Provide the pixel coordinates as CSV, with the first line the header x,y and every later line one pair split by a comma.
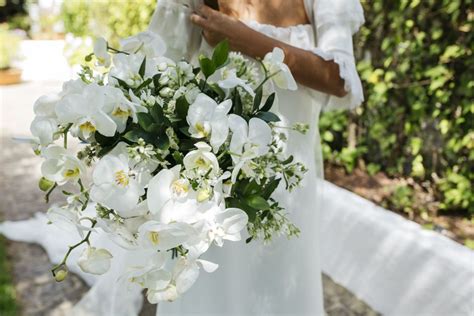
x,y
124,232
95,261
120,108
171,198
206,119
248,141
127,67
66,219
149,272
281,74
202,161
43,130
45,124
185,274
60,166
225,224
100,51
231,81
158,236
118,182
85,112
148,43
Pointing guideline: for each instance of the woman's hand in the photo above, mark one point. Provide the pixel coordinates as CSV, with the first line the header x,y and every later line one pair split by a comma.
x,y
307,68
217,27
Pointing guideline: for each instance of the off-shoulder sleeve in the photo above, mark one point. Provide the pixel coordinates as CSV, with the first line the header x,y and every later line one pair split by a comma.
x,y
335,22
171,21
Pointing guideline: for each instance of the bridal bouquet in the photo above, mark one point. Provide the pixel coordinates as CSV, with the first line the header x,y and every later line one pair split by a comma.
x,y
181,158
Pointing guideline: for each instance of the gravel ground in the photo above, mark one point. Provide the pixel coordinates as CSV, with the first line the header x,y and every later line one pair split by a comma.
x,y
37,293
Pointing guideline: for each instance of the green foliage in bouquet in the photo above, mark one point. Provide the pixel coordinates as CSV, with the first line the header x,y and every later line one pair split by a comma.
x,y
417,68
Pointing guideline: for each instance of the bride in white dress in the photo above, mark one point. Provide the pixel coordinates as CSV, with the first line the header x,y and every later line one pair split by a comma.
x,y
284,277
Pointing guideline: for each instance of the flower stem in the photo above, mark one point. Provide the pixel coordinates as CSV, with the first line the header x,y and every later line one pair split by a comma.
x,y
71,248
66,131
46,197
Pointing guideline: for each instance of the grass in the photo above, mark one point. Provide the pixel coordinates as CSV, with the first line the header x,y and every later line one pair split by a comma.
x,y
8,306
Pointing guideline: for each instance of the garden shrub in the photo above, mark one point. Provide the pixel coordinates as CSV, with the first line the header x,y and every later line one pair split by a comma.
x,y
416,64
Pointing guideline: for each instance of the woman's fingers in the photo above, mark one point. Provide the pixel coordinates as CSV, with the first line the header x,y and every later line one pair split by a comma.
x,y
205,11
198,20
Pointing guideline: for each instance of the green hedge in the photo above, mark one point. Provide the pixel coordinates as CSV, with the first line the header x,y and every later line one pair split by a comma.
x,y
111,19
417,69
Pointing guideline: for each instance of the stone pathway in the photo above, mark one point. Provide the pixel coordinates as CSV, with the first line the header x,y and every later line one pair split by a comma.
x,y
37,292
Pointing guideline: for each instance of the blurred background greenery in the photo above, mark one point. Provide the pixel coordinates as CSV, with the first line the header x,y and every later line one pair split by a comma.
x,y
411,142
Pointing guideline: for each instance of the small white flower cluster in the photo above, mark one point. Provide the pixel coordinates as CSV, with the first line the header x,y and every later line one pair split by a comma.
x,y
176,161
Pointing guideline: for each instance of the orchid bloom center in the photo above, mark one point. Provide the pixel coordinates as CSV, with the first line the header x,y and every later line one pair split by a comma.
x,y
202,163
119,112
202,129
180,187
122,178
87,127
154,237
71,173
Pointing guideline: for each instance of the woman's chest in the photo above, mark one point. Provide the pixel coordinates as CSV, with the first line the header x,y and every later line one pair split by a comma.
x,y
281,13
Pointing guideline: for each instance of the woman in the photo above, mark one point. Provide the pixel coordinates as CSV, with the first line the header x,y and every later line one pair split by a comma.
x,y
316,36
284,277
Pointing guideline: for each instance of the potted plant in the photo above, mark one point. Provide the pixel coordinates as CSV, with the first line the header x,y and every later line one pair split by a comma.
x,y
9,46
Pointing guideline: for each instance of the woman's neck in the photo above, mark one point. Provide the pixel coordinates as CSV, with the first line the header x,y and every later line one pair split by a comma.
x,y
282,13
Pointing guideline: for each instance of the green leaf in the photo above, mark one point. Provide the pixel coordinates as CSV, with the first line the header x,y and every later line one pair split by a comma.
x,y
144,84
159,116
270,188
218,90
122,83
269,103
237,203
251,188
288,160
220,54
135,134
178,157
268,116
163,142
145,120
237,103
182,107
156,80
141,72
258,99
257,202
207,66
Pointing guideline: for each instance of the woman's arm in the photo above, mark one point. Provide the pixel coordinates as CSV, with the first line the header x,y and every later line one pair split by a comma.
x,y
307,68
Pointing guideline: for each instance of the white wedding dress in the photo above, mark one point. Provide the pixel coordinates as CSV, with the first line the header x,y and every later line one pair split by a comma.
x,y
284,277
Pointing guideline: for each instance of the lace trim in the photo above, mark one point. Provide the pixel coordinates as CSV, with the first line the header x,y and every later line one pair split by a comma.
x,y
352,83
